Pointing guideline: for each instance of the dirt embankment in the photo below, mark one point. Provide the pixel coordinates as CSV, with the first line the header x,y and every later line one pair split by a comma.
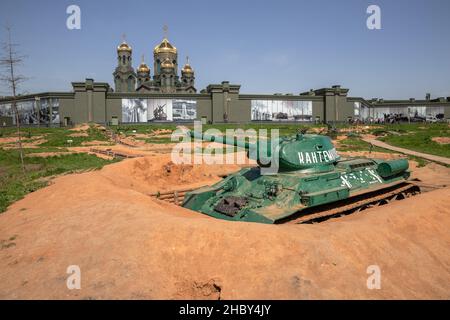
x,y
159,173
128,245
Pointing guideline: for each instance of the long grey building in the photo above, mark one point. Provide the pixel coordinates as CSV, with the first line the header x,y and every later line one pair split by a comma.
x,y
140,97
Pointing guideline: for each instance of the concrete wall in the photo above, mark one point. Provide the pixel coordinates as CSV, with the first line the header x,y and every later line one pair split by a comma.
x,y
66,108
204,109
114,108
318,110
95,102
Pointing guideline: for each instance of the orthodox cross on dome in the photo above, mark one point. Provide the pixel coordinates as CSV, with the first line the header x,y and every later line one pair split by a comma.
x,y
124,37
166,31
187,59
142,58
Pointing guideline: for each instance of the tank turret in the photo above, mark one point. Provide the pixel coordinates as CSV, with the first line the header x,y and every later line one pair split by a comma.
x,y
300,152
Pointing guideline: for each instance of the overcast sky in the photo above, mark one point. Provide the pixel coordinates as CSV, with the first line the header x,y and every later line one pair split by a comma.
x,y
266,46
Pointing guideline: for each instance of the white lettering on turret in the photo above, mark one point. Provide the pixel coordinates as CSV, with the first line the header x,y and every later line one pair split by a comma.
x,y
300,158
320,156
317,157
308,158
335,154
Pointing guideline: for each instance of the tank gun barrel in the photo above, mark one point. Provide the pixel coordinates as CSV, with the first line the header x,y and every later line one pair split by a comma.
x,y
242,143
256,151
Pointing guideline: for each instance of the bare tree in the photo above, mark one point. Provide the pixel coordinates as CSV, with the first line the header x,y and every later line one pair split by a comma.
x,y
9,61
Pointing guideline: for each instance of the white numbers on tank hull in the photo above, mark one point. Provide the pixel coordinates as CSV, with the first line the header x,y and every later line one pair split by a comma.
x,y
368,176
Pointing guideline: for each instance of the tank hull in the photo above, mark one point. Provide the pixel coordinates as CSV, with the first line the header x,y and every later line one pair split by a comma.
x,y
249,196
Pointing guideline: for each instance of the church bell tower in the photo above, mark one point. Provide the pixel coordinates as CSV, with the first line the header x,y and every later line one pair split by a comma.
x,y
124,75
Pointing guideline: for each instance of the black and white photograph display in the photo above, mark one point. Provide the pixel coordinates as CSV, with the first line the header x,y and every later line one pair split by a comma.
x,y
281,110
134,110
149,110
55,110
361,112
48,111
7,112
28,113
184,110
159,110
43,111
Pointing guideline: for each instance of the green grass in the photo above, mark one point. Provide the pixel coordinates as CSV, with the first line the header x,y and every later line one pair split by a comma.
x,y
56,137
59,138
417,139
162,140
142,128
410,127
14,184
285,129
356,144
40,149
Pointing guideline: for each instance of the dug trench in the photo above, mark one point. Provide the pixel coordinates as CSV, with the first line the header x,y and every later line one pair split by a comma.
x,y
129,245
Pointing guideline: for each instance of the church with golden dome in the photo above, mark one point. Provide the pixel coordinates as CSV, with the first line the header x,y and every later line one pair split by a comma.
x,y
165,77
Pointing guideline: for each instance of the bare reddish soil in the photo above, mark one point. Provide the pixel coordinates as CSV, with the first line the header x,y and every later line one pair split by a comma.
x,y
131,246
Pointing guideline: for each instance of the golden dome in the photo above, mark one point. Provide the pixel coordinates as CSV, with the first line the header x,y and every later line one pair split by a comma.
x,y
187,68
165,46
143,68
167,63
124,47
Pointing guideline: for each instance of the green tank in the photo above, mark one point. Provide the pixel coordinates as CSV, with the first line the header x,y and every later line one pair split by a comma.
x,y
312,183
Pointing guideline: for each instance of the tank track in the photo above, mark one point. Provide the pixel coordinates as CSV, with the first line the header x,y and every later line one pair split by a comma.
x,y
354,204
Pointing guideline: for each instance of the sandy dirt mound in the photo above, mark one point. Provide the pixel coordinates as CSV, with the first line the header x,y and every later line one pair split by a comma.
x,y
157,132
140,135
115,148
159,173
81,127
8,140
432,173
441,140
130,246
13,142
95,143
130,141
27,144
79,134
85,127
